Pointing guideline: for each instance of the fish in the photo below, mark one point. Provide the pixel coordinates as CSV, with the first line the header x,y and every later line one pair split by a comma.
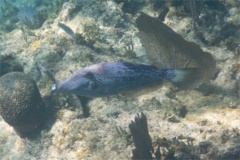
x,y
66,29
111,78
43,70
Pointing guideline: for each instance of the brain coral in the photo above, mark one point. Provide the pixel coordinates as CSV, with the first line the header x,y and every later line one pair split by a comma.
x,y
21,105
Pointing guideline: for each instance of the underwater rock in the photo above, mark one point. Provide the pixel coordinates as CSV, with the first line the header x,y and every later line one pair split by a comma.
x,y
180,111
21,105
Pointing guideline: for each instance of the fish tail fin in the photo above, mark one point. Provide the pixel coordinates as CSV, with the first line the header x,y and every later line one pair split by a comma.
x,y
185,78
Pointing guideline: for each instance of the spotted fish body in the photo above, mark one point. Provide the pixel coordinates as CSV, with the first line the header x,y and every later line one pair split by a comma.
x,y
106,79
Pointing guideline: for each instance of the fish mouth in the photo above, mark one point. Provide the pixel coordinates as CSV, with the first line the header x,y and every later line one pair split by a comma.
x,y
54,88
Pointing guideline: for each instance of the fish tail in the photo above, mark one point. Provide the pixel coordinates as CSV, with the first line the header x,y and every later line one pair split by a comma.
x,y
185,78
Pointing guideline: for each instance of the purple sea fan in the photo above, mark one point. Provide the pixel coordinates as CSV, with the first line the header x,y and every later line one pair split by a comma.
x,y
31,17
26,14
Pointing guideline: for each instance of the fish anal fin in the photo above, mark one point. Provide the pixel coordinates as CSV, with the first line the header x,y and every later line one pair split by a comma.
x,y
142,90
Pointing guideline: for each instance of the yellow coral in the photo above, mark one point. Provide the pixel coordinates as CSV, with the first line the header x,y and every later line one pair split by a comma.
x,y
35,45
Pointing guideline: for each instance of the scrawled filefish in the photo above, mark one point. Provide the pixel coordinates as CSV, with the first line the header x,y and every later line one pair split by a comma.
x,y
106,79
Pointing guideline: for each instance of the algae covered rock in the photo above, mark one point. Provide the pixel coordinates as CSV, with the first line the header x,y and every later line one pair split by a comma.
x,y
21,105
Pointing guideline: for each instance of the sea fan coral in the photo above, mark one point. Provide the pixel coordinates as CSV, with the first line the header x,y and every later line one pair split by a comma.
x,y
27,14
31,17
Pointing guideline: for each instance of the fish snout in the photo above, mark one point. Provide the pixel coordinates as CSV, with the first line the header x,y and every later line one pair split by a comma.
x,y
54,88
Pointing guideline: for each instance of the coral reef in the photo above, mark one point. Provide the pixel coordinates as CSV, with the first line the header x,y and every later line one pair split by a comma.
x,y
21,104
202,123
